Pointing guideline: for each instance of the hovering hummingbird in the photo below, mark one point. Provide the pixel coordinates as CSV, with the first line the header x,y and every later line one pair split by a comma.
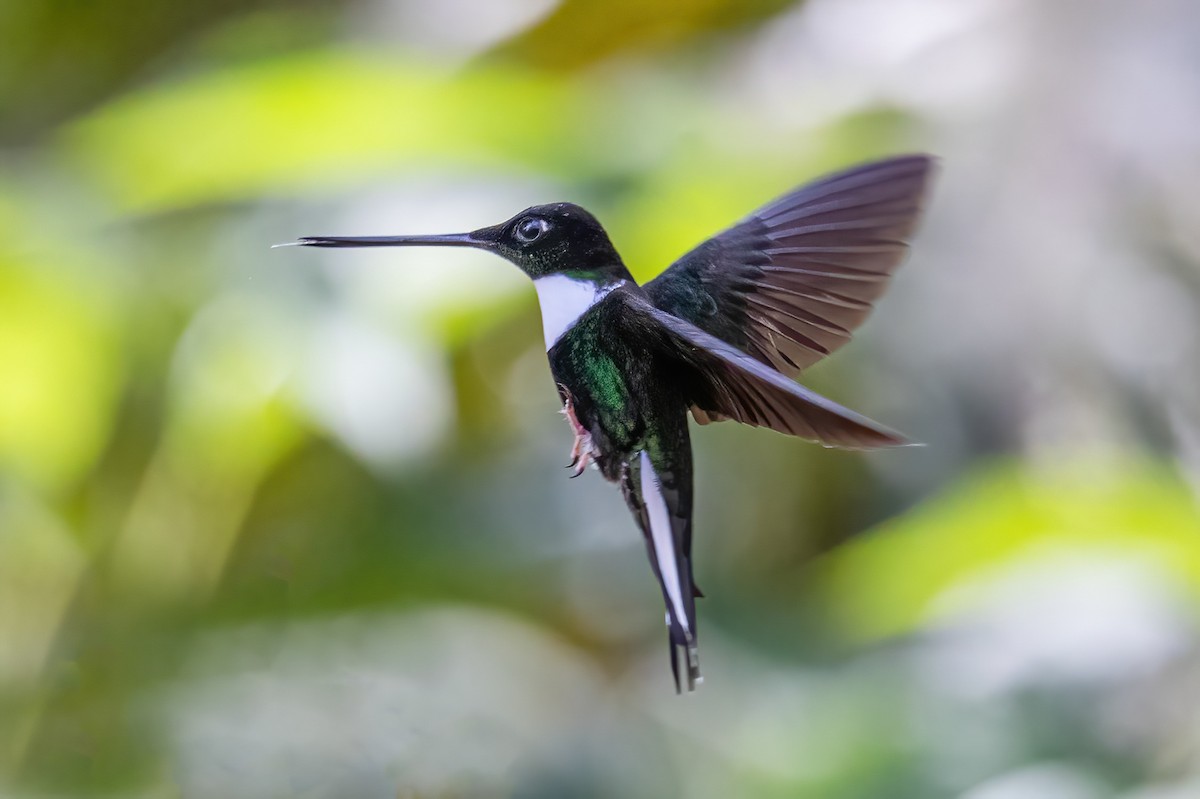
x,y
721,333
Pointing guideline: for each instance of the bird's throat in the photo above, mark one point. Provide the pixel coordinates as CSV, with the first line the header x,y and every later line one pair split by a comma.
x,y
564,299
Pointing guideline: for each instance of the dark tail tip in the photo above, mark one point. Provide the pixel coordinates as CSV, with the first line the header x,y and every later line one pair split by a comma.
x,y
694,677
690,673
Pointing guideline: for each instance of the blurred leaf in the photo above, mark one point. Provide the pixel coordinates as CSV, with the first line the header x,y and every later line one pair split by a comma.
x,y
580,32
55,60
325,117
229,424
39,563
888,581
60,368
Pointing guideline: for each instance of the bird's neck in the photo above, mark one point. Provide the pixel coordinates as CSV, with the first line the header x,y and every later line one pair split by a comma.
x,y
566,296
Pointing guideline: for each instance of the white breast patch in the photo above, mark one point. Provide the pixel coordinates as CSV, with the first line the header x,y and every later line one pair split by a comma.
x,y
564,299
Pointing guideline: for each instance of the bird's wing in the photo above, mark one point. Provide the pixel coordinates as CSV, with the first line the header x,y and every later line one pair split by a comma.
x,y
789,283
722,382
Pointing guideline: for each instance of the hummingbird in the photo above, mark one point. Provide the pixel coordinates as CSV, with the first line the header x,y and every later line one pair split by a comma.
x,y
720,334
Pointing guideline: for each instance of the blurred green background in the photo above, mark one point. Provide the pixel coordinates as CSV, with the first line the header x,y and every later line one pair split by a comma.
x,y
295,524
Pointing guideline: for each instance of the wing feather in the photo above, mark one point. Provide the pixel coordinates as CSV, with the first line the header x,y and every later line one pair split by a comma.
x,y
722,382
791,282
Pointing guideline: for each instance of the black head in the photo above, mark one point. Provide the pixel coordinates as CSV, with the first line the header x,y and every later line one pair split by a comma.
x,y
542,240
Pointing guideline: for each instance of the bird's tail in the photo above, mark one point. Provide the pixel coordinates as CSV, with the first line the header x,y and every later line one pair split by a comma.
x,y
690,674
665,521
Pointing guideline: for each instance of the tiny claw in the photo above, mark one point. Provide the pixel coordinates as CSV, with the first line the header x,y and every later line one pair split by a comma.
x,y
582,465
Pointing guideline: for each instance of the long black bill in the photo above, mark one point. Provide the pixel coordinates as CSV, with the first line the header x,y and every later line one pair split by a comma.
x,y
477,238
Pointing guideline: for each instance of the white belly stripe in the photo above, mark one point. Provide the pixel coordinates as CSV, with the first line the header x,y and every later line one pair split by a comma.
x,y
663,539
564,299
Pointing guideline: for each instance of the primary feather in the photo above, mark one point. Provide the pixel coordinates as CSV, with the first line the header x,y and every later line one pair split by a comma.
x,y
790,283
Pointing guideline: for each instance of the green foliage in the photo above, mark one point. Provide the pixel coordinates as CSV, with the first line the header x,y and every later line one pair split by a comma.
x,y
1007,514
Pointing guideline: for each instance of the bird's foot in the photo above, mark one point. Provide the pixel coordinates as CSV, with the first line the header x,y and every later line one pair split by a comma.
x,y
582,450
581,456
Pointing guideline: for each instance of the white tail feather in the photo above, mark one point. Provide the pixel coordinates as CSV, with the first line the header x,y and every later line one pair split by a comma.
x,y
663,539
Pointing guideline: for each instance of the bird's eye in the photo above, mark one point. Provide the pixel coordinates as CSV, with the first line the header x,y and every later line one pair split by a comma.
x,y
530,229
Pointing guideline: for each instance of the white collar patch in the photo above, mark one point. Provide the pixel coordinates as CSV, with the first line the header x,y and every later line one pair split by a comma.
x,y
564,299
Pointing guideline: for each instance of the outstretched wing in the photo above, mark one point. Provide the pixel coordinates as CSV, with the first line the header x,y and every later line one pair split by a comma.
x,y
789,283
721,381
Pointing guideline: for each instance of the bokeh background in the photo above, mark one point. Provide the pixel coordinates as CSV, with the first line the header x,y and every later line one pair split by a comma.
x,y
295,524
